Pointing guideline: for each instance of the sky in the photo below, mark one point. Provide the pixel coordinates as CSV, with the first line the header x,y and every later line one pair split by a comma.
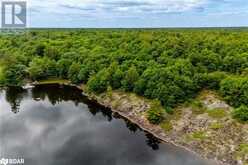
x,y
137,13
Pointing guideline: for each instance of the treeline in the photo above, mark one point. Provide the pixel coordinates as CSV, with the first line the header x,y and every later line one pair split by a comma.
x,y
168,65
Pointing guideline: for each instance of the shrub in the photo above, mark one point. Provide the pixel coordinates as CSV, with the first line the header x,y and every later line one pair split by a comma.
x,y
213,79
167,126
235,90
241,113
156,113
169,110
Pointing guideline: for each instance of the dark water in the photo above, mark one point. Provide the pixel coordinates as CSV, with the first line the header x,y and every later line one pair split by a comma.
x,y
56,125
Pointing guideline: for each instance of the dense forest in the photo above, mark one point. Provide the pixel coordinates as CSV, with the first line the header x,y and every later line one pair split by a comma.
x,y
170,66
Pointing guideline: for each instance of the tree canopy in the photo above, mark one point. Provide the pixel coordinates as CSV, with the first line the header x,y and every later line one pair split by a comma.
x,y
168,65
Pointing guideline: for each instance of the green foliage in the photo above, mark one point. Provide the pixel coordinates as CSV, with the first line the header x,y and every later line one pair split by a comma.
x,y
156,113
212,80
208,59
83,74
64,65
41,68
73,72
236,63
117,78
241,113
169,110
245,72
235,90
169,65
99,82
130,78
13,74
117,75
51,52
40,49
36,69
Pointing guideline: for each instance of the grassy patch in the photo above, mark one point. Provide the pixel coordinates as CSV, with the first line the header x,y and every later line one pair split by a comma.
x,y
1,75
217,113
109,92
242,150
196,136
167,126
116,104
197,107
53,81
177,114
216,126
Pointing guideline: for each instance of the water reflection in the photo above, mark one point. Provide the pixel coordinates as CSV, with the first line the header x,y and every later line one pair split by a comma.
x,y
152,141
55,94
14,96
56,125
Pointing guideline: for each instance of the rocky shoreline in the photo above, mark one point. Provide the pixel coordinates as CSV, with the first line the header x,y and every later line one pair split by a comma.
x,y
133,108
136,117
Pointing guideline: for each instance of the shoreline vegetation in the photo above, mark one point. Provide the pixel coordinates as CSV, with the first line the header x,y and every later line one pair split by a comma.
x,y
197,79
195,126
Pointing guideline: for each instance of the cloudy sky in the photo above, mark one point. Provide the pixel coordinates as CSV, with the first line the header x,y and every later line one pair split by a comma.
x,y
137,13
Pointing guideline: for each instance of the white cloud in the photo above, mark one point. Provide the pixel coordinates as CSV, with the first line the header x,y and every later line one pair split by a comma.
x,y
110,6
136,13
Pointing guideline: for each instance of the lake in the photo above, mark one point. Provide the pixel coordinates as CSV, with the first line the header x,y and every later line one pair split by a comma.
x,y
57,125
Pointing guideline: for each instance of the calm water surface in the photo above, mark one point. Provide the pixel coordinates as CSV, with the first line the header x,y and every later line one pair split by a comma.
x,y
57,125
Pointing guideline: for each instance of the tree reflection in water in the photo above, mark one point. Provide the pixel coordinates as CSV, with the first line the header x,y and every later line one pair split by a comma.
x,y
58,93
14,96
